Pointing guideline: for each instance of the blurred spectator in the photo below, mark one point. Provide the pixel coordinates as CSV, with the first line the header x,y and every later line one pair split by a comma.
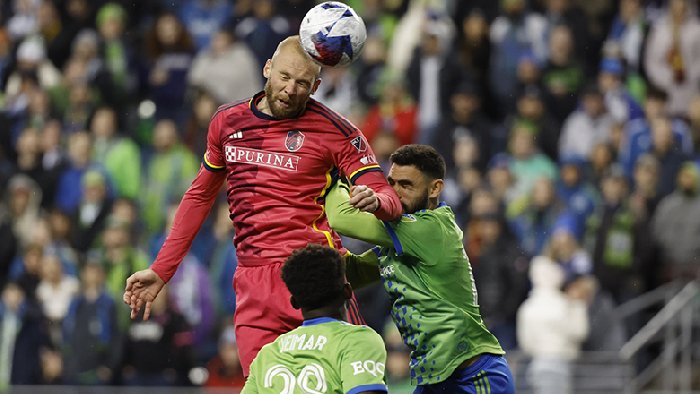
x,y
24,199
667,151
88,220
514,33
500,271
120,259
29,154
223,263
68,190
395,113
465,118
586,127
169,172
500,179
169,51
676,224
60,229
473,52
263,30
226,69
567,13
602,156
54,293
118,154
619,102
371,67
616,241
23,21
91,339
432,76
694,122
338,91
204,105
26,272
21,338
672,55
9,247
565,248
637,134
606,329
530,110
192,293
31,60
53,161
532,217
203,19
158,350
527,164
73,98
117,56
629,31
645,195
562,75
225,368
551,328
573,189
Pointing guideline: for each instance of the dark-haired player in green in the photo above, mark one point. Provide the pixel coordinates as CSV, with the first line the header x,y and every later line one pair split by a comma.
x,y
324,354
425,270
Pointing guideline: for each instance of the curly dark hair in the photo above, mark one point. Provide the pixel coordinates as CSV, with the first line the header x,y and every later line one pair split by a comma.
x,y
315,276
424,157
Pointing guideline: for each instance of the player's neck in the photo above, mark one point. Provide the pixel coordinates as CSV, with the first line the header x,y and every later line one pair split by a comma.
x,y
332,312
264,106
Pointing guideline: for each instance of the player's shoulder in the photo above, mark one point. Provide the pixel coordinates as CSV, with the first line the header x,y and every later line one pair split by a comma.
x,y
354,331
334,121
232,108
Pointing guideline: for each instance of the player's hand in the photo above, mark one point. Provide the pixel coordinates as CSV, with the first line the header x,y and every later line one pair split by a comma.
x,y
363,198
141,289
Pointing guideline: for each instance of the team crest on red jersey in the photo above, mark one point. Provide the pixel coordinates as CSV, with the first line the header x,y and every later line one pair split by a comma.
x,y
294,141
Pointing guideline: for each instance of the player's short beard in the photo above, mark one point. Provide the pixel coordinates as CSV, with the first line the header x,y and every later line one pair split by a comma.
x,y
421,204
292,112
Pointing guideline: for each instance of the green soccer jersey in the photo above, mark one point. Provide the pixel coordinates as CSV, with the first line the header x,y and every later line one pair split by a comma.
x,y
323,355
425,270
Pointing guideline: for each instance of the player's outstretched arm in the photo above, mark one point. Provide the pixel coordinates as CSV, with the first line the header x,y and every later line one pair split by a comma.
x,y
350,221
142,288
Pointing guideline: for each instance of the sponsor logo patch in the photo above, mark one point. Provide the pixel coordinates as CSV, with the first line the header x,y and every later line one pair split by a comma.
x,y
282,161
294,140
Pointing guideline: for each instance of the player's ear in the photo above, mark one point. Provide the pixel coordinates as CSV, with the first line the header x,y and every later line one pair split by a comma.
x,y
267,68
436,187
316,85
294,303
347,291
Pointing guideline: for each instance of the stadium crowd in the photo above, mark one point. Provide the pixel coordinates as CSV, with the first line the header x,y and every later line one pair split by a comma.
x,y
571,130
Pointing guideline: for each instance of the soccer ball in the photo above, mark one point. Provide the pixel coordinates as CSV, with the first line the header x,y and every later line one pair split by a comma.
x,y
332,34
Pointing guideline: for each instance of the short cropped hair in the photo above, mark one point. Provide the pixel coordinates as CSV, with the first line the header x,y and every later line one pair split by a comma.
x,y
314,276
424,157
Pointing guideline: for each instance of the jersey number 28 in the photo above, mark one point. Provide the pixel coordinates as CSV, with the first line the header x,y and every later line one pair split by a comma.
x,y
310,380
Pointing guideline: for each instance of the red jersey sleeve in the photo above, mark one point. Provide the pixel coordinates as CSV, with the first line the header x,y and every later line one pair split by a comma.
x,y
356,160
214,159
194,207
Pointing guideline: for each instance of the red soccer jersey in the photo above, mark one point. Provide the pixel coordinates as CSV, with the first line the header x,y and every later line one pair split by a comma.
x,y
278,171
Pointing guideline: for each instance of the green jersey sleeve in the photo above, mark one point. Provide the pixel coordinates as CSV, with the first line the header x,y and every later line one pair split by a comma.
x,y
362,269
362,362
351,222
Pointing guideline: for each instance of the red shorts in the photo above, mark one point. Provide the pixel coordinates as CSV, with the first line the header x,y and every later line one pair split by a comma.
x,y
264,311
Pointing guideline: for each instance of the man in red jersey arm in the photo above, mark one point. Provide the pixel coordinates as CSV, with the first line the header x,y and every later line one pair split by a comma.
x,y
276,152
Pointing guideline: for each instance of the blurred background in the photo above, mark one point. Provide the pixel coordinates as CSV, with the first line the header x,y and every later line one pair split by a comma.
x,y
571,129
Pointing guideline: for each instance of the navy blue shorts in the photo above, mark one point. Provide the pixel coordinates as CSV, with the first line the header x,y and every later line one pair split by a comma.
x,y
489,375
